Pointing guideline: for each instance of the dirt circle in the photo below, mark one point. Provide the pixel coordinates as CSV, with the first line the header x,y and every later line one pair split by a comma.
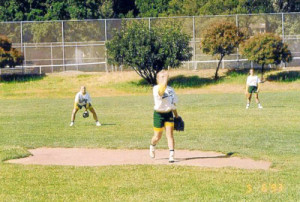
x,y
105,157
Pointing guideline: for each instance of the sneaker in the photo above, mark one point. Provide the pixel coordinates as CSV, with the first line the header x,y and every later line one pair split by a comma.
x,y
98,123
72,123
171,159
260,107
152,151
247,106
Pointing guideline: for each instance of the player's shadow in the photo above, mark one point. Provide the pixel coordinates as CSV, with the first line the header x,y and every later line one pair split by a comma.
x,y
228,155
286,76
108,124
20,78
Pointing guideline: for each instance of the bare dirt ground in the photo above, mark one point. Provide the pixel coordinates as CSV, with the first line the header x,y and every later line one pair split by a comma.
x,y
106,157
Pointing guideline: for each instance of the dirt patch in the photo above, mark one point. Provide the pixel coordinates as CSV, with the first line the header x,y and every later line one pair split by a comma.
x,y
105,157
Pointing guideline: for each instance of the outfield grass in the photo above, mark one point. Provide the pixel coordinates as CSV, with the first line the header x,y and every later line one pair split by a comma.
x,y
63,85
214,122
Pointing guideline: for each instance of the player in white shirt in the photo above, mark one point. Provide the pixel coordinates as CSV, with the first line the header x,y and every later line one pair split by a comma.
x,y
165,101
83,99
252,86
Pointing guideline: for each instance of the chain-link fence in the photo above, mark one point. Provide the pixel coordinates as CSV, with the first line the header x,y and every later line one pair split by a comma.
x,y
54,46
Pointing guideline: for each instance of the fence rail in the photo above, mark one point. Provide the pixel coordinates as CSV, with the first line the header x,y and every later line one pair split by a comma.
x,y
54,46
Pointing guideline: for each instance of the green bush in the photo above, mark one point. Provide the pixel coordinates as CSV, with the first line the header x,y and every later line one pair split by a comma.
x,y
265,49
148,51
9,56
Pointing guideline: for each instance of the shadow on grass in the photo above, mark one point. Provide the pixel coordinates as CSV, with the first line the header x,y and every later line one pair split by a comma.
x,y
287,76
15,78
182,81
240,72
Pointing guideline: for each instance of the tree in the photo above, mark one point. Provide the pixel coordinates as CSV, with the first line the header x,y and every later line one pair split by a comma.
x,y
124,8
9,56
151,8
148,51
217,7
38,10
266,48
285,5
220,39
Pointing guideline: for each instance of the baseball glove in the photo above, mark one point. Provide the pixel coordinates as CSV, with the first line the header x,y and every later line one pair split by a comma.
x,y
85,114
178,124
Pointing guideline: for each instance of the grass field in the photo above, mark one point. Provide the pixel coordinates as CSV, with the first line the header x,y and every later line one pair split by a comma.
x,y
36,112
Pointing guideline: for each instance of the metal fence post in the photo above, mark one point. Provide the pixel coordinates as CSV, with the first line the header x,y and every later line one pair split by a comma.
x,y
25,59
194,44
237,50
51,49
283,34
76,52
63,44
282,26
21,32
105,28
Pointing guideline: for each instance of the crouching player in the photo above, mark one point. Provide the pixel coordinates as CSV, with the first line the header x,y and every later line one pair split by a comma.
x,y
165,100
83,99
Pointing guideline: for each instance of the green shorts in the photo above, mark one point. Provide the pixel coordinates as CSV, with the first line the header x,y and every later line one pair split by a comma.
x,y
252,89
85,106
160,120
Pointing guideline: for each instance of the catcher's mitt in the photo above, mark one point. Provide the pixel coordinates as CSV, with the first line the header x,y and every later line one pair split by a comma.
x,y
178,124
85,114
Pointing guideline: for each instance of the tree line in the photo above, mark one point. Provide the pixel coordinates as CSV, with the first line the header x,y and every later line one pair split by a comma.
x,y
165,46
38,10
148,51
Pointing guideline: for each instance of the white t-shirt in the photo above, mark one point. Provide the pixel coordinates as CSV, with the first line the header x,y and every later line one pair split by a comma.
x,y
253,80
166,102
82,99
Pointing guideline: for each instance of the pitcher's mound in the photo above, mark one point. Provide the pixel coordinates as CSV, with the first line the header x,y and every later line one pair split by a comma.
x,y
104,157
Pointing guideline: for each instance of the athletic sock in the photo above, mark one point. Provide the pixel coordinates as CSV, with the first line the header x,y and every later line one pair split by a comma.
x,y
152,147
172,152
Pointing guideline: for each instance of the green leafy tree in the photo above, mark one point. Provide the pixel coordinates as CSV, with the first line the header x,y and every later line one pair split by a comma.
x,y
151,8
124,8
37,10
265,49
221,39
9,56
184,7
57,11
148,51
286,5
217,7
